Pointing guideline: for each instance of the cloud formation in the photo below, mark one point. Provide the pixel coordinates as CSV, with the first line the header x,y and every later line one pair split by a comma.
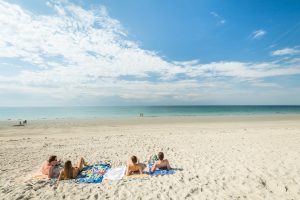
x,y
285,51
78,53
257,34
218,17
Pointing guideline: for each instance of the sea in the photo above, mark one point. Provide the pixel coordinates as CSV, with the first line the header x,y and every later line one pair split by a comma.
x,y
83,112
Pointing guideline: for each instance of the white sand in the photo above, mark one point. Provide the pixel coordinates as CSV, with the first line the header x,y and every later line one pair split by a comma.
x,y
233,158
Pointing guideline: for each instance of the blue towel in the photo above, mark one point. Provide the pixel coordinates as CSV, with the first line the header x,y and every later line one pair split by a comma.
x,y
161,172
93,174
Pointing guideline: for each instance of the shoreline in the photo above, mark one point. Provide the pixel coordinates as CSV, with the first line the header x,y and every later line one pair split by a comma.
x,y
153,116
185,118
124,112
38,128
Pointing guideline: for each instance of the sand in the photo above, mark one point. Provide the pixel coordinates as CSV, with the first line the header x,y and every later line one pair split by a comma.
x,y
217,157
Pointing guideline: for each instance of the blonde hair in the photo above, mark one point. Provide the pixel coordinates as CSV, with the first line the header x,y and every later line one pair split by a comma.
x,y
68,172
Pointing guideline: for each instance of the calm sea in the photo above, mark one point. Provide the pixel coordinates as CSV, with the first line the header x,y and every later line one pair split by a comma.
x,y
14,113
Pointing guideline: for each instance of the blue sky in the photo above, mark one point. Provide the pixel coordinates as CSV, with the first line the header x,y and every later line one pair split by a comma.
x,y
149,52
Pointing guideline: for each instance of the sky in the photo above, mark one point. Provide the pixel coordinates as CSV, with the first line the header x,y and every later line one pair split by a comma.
x,y
172,52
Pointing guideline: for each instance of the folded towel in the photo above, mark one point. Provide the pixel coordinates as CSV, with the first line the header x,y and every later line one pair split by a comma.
x,y
116,173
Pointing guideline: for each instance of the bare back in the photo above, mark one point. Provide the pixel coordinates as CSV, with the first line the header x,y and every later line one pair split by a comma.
x,y
46,167
134,168
75,172
161,164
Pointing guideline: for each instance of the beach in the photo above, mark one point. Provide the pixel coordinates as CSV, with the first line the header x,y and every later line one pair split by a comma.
x,y
236,157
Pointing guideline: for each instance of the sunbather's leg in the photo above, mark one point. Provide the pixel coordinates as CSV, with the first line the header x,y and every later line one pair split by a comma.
x,y
80,163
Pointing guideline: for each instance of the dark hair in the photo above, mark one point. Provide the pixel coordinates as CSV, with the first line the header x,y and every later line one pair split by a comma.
x,y
134,159
160,155
52,158
68,172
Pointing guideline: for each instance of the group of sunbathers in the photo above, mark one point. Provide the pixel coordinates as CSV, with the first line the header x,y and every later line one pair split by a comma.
x,y
135,167
69,171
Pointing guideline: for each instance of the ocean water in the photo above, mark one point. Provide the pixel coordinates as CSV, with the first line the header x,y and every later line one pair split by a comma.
x,y
22,113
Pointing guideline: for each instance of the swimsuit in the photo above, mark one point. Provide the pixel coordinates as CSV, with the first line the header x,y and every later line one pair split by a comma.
x,y
56,171
163,168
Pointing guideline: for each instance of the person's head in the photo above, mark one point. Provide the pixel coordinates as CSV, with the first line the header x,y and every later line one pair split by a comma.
x,y
134,159
52,158
160,155
68,170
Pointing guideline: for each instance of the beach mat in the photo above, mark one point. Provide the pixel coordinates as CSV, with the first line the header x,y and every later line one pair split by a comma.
x,y
160,172
92,174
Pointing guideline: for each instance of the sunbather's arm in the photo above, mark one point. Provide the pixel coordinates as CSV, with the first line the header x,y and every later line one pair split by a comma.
x,y
168,165
140,169
53,163
127,171
50,173
153,167
61,175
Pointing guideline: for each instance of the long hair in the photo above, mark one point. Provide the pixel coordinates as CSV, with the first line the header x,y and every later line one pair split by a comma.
x,y
68,172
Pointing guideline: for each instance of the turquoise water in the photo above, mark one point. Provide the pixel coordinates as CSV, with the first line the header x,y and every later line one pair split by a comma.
x,y
134,111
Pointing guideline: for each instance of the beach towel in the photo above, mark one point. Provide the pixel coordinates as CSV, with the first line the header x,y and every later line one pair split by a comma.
x,y
159,172
116,173
38,177
92,174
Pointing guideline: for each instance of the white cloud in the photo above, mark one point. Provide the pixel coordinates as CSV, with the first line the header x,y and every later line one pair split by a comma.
x,y
285,51
218,17
86,53
258,34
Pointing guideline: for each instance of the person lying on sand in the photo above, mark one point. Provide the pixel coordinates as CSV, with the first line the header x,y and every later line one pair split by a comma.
x,y
70,172
134,166
161,163
48,167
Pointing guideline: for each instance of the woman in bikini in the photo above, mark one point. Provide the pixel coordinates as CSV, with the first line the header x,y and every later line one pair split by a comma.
x,y
161,163
134,166
70,172
49,167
